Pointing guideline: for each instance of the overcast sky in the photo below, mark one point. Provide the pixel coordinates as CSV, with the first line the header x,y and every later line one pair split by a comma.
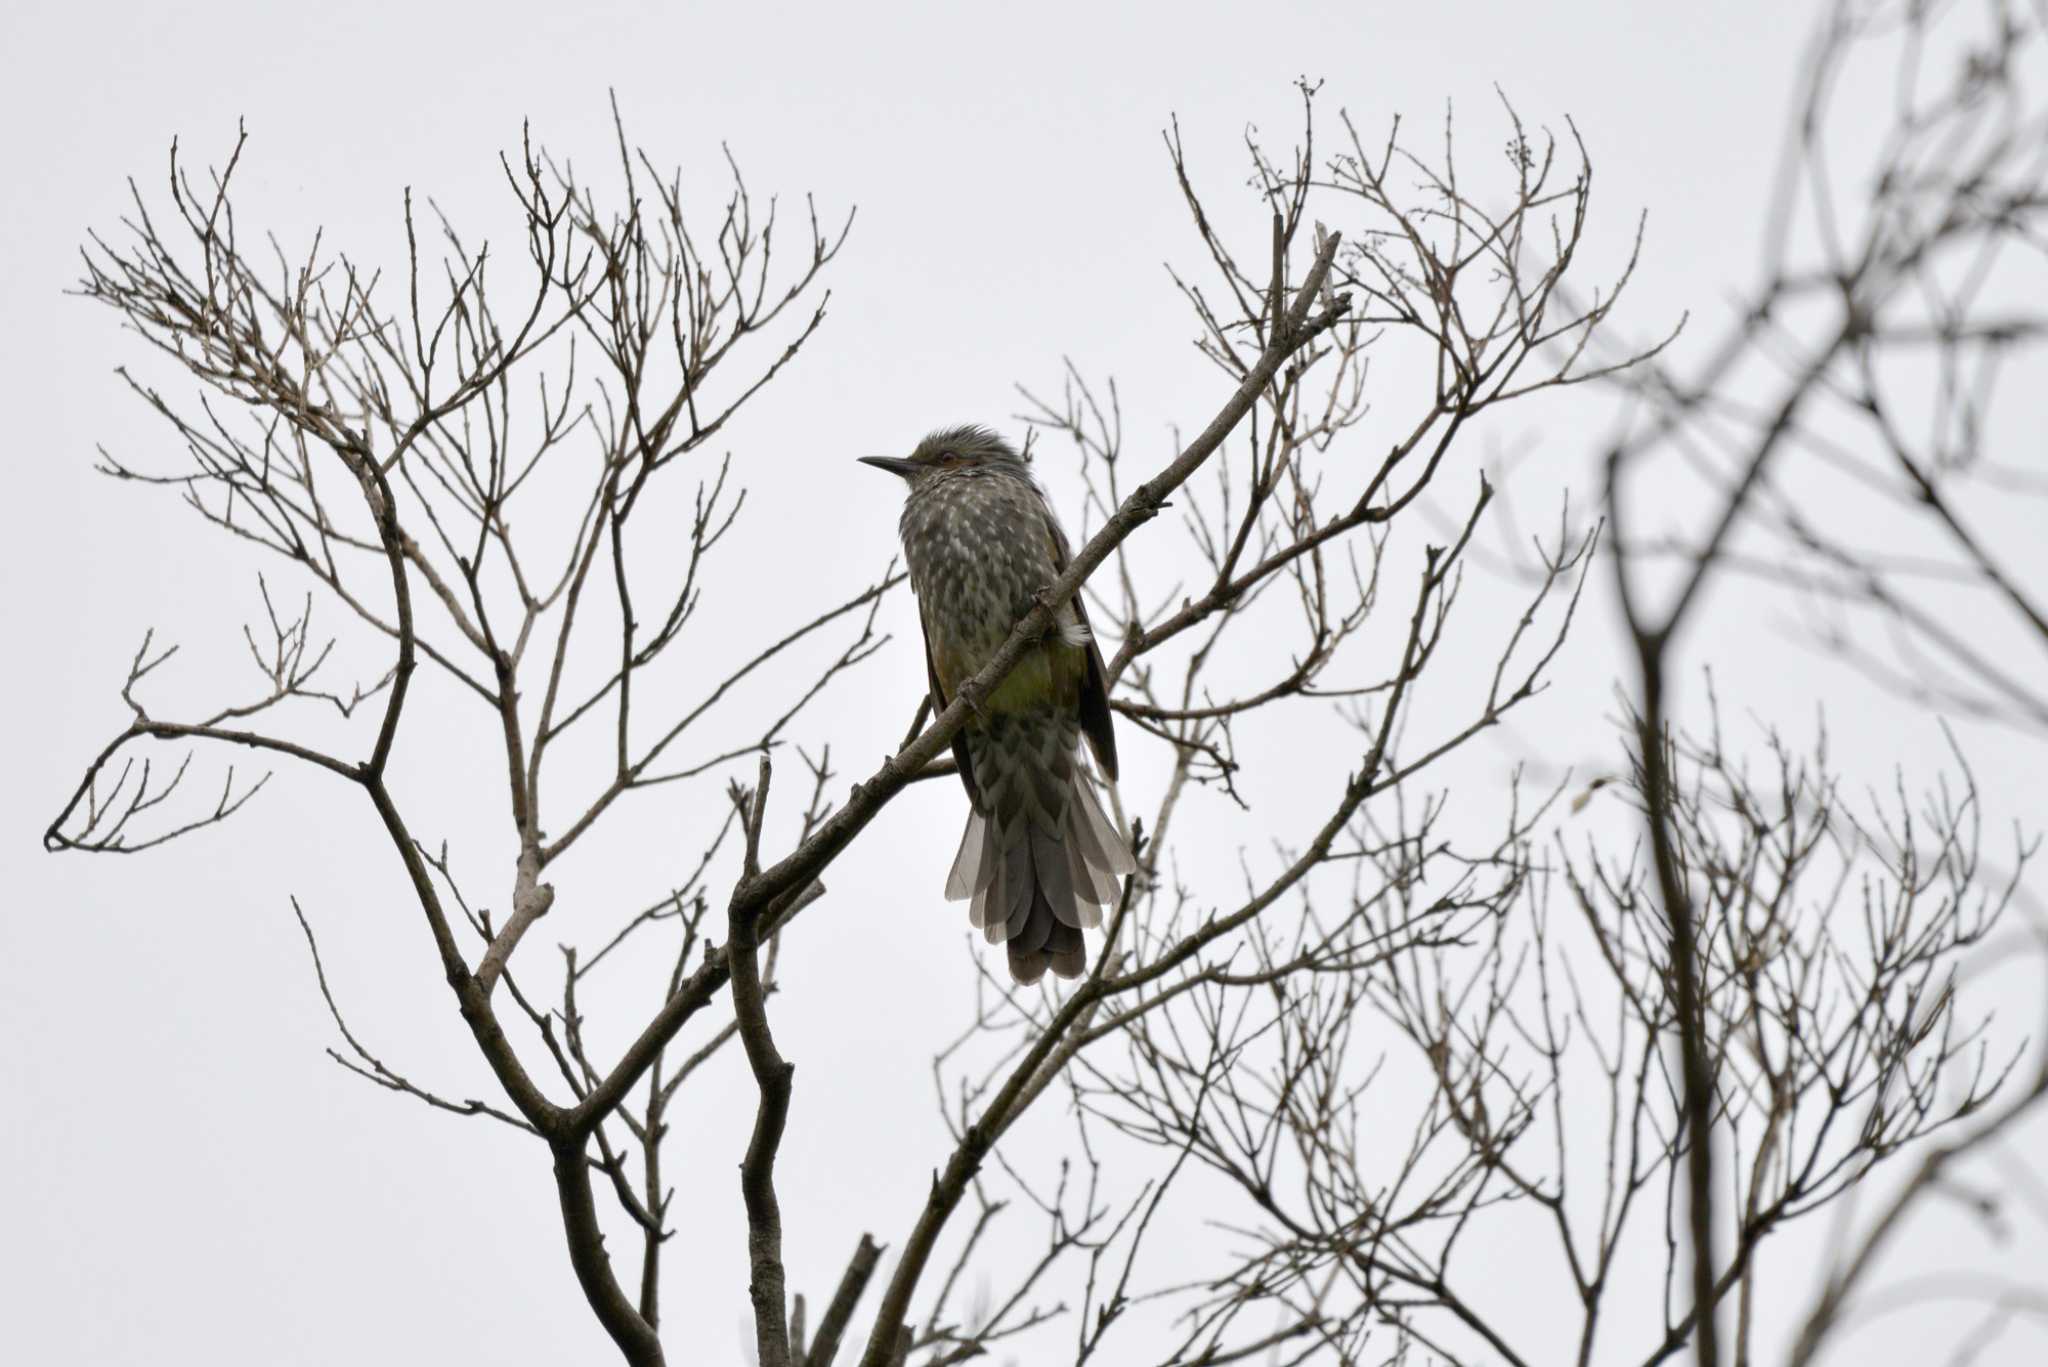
x,y
183,1175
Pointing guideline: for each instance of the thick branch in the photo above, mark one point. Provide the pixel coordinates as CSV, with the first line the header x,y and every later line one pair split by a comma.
x,y
772,1074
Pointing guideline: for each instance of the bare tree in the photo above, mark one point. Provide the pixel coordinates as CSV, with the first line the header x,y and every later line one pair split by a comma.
x,y
1775,974
1887,290
1214,1050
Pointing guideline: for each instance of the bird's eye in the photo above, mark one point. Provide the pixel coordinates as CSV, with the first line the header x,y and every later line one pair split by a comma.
x,y
949,458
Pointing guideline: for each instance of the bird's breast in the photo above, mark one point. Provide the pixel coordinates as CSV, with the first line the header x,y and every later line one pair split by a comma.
x,y
978,553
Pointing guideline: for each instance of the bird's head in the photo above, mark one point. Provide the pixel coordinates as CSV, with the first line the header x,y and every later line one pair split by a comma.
x,y
952,449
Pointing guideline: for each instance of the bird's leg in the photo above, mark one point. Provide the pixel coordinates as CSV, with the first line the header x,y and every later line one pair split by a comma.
x,y
972,694
1043,597
1065,625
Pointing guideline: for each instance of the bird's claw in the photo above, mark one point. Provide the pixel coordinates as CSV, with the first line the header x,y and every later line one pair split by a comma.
x,y
1044,598
972,696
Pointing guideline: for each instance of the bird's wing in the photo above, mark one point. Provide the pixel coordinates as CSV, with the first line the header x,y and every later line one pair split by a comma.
x,y
939,701
1095,718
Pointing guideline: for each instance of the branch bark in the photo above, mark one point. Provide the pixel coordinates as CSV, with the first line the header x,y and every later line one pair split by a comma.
x,y
772,1075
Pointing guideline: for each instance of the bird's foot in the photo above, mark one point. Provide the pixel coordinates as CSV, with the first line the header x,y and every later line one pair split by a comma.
x,y
972,695
1065,625
1052,629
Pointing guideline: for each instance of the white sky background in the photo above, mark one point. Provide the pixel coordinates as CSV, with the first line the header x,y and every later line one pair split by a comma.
x,y
185,1176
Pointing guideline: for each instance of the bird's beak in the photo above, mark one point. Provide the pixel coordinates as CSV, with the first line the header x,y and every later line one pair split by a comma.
x,y
895,465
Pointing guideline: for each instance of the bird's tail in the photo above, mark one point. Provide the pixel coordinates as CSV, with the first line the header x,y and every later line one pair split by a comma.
x,y
1039,858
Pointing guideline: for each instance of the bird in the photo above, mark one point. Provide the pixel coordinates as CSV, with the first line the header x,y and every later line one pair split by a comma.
x,y
1039,858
